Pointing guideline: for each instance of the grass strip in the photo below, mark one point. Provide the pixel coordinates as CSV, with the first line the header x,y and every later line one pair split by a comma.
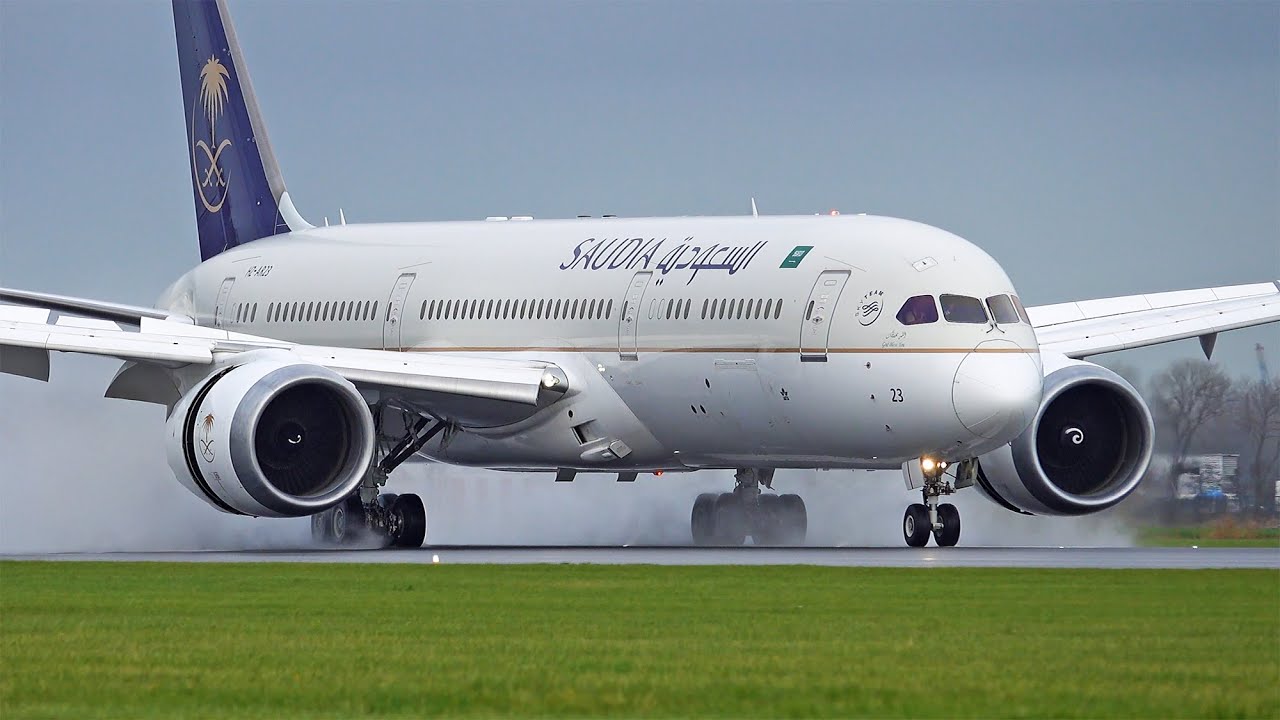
x,y
306,640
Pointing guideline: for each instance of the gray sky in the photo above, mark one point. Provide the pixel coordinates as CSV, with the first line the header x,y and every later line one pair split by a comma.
x,y
1094,149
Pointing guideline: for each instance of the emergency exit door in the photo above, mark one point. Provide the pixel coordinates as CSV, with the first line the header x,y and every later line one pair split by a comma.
x,y
629,318
815,323
220,306
393,321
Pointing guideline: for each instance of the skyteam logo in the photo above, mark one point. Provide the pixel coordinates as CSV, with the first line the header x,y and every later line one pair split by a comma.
x,y
210,177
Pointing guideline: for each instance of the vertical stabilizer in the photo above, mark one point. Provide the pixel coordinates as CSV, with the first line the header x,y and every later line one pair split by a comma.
x,y
239,193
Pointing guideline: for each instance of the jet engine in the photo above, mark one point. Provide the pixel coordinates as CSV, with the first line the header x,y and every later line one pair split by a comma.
x,y
1085,451
271,437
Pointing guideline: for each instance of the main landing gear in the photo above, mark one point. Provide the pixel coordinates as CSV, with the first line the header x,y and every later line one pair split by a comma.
x,y
929,518
729,518
370,517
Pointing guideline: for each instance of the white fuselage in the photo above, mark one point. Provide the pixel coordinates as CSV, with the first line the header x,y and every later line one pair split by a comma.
x,y
695,342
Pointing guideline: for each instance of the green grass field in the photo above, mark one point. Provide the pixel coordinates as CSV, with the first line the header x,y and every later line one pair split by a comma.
x,y
301,640
1223,534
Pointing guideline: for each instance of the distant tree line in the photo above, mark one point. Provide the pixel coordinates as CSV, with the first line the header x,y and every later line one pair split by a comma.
x,y
1198,409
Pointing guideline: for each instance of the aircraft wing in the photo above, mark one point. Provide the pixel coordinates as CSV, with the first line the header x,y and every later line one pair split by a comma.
x,y
1092,327
28,334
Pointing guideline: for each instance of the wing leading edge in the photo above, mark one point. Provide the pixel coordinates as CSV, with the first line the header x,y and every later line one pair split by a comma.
x,y
1093,327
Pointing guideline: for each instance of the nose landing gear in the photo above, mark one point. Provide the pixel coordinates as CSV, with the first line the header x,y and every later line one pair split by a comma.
x,y
767,518
942,521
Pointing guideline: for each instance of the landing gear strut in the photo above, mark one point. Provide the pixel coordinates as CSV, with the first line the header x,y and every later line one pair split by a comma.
x,y
930,518
767,518
369,516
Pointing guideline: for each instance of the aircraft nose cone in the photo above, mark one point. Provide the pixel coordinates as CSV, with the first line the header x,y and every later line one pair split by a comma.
x,y
997,390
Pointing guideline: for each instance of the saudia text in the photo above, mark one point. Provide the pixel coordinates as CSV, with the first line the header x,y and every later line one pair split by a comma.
x,y
641,254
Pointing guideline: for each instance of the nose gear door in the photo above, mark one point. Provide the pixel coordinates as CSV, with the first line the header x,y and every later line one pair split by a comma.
x,y
629,318
815,324
391,325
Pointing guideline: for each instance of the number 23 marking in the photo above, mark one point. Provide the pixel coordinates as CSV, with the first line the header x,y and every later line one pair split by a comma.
x,y
895,395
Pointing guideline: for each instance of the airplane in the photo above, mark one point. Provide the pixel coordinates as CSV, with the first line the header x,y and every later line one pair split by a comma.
x,y
300,365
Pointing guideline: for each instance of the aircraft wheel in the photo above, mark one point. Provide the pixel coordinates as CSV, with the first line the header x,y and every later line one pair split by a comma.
x,y
703,520
949,518
731,520
915,525
320,528
795,519
770,521
346,520
410,521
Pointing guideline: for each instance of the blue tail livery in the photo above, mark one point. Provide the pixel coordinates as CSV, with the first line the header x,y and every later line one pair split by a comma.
x,y
239,192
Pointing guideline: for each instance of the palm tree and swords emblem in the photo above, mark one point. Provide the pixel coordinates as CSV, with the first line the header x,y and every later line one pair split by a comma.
x,y
211,183
206,438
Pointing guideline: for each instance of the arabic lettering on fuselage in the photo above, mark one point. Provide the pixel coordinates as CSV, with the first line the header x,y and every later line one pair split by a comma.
x,y
658,254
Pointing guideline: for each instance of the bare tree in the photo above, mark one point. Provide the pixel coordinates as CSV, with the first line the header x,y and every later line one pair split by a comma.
x,y
1189,394
1258,414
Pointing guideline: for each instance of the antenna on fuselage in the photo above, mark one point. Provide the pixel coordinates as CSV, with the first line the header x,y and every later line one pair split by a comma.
x,y
754,211
342,218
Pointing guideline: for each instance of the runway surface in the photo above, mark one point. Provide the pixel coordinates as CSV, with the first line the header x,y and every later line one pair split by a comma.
x,y
1040,557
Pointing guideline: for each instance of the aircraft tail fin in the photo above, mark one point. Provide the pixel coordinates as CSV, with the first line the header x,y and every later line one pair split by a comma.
x,y
239,192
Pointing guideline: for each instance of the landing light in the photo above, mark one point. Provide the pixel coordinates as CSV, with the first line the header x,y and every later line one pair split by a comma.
x,y
927,464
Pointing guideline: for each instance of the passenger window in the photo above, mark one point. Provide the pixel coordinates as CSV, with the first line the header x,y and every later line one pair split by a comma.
x,y
768,308
253,314
608,310
963,309
1022,311
777,309
706,302
918,310
1002,309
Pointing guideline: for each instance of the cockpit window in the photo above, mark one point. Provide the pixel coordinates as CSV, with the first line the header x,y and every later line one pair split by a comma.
x,y
1022,312
963,309
1002,309
918,311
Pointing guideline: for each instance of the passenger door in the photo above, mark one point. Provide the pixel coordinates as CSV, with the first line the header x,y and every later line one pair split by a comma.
x,y
629,318
815,323
394,319
220,306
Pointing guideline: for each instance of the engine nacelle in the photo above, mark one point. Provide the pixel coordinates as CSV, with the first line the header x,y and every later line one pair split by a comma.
x,y
272,437
1085,451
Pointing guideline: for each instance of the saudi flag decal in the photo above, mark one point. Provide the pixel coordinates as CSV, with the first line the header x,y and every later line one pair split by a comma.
x,y
795,256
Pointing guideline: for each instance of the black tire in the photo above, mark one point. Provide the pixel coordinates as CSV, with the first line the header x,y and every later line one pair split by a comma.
x,y
320,528
949,518
915,525
731,520
411,521
795,519
770,521
703,519
346,521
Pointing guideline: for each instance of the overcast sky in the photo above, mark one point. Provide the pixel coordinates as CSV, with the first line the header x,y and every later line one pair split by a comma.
x,y
1094,149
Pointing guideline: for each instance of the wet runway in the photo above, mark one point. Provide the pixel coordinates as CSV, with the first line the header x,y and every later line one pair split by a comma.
x,y
1039,557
